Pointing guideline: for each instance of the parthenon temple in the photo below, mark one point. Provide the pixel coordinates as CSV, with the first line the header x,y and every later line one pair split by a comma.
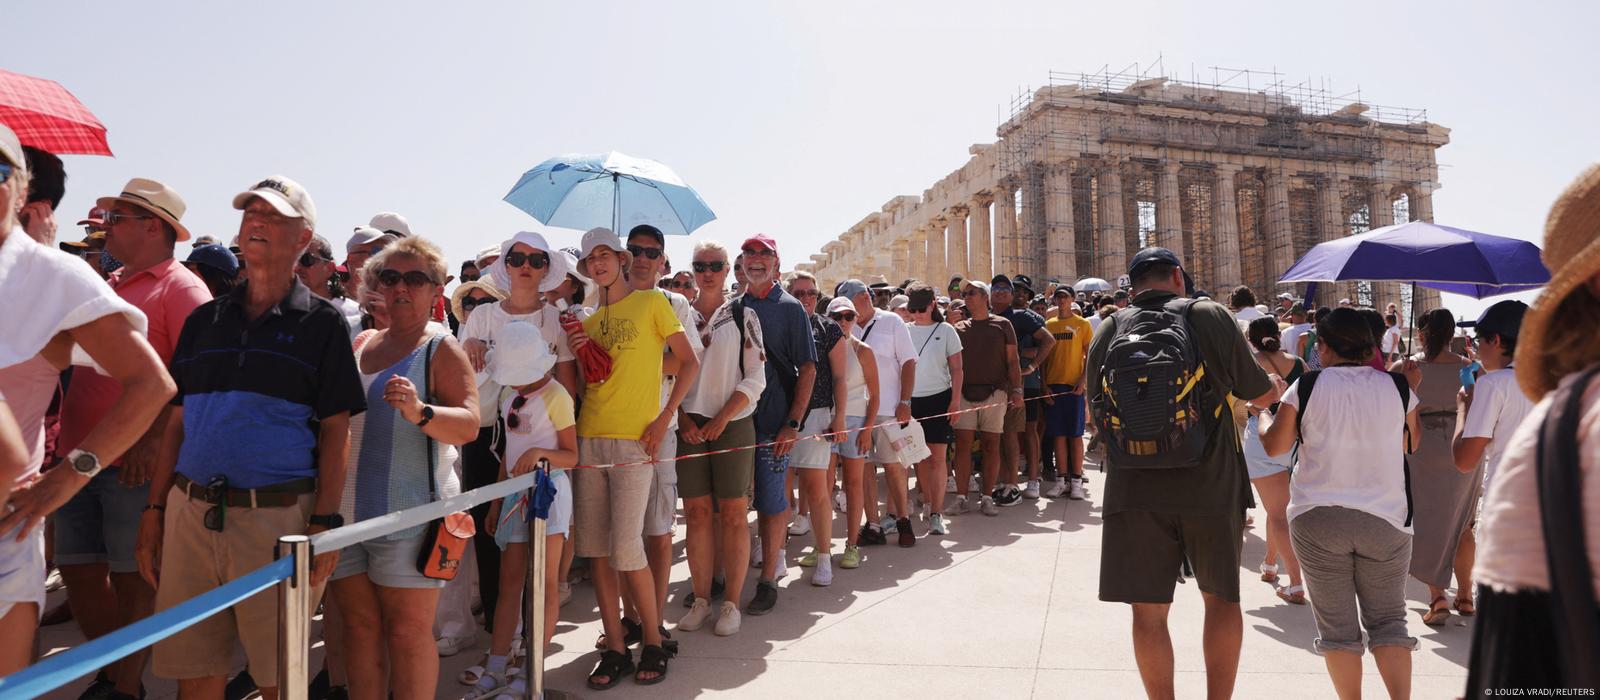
x,y
1240,176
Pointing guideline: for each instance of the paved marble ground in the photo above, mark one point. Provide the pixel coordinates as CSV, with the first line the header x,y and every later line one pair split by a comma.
x,y
1003,607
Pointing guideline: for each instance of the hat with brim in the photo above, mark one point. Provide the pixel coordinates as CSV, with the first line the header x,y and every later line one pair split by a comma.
x,y
285,195
520,355
1547,348
601,237
153,197
95,240
465,288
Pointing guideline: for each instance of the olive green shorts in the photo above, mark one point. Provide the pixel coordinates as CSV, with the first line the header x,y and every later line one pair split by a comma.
x,y
726,475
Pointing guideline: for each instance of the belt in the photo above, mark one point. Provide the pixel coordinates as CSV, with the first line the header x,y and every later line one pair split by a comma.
x,y
275,496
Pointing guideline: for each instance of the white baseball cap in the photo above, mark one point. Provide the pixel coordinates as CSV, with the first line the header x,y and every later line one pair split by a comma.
x,y
285,195
364,236
390,222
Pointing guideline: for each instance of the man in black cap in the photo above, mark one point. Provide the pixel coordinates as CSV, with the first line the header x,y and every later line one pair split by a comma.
x,y
1490,409
1158,521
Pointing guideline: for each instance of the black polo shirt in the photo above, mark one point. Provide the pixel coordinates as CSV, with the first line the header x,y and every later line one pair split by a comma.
x,y
253,391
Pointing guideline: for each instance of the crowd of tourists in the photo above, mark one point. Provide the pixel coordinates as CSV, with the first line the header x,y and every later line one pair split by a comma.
x,y
163,422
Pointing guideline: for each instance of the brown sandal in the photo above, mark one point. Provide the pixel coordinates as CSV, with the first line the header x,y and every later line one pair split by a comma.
x,y
1465,606
1437,616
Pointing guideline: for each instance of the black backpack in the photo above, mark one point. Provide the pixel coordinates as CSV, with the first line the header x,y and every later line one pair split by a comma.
x,y
1303,391
1152,407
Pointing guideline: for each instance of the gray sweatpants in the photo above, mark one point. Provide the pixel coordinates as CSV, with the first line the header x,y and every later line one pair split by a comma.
x,y
1355,567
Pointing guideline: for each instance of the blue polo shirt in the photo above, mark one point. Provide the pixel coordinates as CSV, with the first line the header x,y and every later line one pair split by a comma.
x,y
786,331
1025,322
253,392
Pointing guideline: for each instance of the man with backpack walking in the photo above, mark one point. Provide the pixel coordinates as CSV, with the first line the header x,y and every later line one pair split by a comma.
x,y
1159,376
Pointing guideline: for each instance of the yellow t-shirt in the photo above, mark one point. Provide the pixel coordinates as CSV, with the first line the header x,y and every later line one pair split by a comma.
x,y
1065,364
634,331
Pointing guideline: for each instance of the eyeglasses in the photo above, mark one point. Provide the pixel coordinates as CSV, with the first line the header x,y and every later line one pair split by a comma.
x,y
413,279
113,217
762,252
536,260
308,259
843,316
805,294
216,493
471,303
638,250
713,266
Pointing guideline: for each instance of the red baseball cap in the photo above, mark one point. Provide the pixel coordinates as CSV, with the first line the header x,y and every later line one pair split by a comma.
x,y
96,218
759,241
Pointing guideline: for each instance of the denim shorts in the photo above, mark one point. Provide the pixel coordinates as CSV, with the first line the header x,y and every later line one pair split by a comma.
x,y
390,563
100,523
813,452
771,495
515,528
848,449
1063,416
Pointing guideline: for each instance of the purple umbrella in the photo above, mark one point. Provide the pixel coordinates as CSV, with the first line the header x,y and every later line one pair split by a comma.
x,y
1438,257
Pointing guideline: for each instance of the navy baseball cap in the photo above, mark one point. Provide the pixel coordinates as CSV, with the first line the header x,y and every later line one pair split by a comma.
x,y
216,257
1503,319
1151,256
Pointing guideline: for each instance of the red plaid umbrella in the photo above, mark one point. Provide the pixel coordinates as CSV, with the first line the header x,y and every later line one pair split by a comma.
x,y
47,117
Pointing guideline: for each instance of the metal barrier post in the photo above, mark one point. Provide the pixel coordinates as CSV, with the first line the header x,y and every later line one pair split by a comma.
x,y
294,619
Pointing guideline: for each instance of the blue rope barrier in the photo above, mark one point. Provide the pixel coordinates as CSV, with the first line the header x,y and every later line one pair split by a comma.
x,y
86,658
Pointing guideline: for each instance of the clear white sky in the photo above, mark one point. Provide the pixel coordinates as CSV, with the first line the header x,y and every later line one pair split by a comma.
x,y
794,119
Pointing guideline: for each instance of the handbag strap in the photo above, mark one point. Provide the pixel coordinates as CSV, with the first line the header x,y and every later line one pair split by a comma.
x,y
1574,611
427,391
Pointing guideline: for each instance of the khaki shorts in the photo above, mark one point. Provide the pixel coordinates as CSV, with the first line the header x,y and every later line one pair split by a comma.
x,y
195,560
662,509
986,420
608,505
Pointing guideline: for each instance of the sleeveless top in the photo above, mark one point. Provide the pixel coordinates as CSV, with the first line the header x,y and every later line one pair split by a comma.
x,y
855,388
387,467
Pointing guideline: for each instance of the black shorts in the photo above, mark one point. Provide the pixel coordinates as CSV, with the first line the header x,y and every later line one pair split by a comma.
x,y
935,430
1030,405
1142,553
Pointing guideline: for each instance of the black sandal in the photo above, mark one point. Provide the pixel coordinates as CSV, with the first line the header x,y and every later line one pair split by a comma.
x,y
652,659
668,644
633,634
613,665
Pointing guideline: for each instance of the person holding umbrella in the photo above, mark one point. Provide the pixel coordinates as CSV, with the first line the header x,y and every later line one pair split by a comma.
x,y
615,428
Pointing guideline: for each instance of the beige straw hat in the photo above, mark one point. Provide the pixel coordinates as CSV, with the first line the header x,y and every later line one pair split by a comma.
x,y
1550,347
465,288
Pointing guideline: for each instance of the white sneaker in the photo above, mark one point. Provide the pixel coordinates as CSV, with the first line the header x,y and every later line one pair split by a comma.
x,y
988,507
838,501
974,485
949,484
782,570
956,506
728,620
698,614
936,525
1057,491
566,593
450,646
801,525
1078,493
888,525
823,575
1032,491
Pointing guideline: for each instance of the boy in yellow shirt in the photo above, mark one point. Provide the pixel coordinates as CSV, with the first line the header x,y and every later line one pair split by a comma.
x,y
1064,372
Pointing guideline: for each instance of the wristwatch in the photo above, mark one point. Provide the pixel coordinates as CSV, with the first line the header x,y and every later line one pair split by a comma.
x,y
905,402
330,521
793,424
86,464
427,415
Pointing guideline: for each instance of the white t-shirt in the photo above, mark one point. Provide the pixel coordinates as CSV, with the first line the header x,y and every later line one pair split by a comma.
x,y
1391,340
1354,449
1289,339
1498,407
726,364
487,320
1094,321
891,346
1248,314
936,344
685,312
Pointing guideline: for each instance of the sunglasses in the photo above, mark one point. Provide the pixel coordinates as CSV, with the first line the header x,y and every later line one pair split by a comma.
x,y
113,217
713,266
217,493
917,309
754,252
471,303
5,171
309,259
514,421
469,277
412,279
1001,290
843,316
805,294
536,260
970,293
638,250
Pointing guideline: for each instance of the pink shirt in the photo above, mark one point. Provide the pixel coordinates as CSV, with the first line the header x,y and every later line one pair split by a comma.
x,y
27,388
166,292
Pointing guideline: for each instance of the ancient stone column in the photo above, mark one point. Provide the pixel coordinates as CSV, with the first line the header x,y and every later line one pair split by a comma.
x,y
1061,240
1380,212
917,254
1005,227
1330,197
1280,235
1225,231
1169,209
955,244
979,257
1422,210
936,272
899,256
1113,250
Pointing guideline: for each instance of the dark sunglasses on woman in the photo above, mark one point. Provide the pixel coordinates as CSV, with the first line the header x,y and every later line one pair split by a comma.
x,y
713,266
307,259
536,260
413,279
844,317
471,303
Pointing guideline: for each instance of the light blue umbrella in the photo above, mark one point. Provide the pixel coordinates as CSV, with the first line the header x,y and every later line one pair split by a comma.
x,y
609,189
